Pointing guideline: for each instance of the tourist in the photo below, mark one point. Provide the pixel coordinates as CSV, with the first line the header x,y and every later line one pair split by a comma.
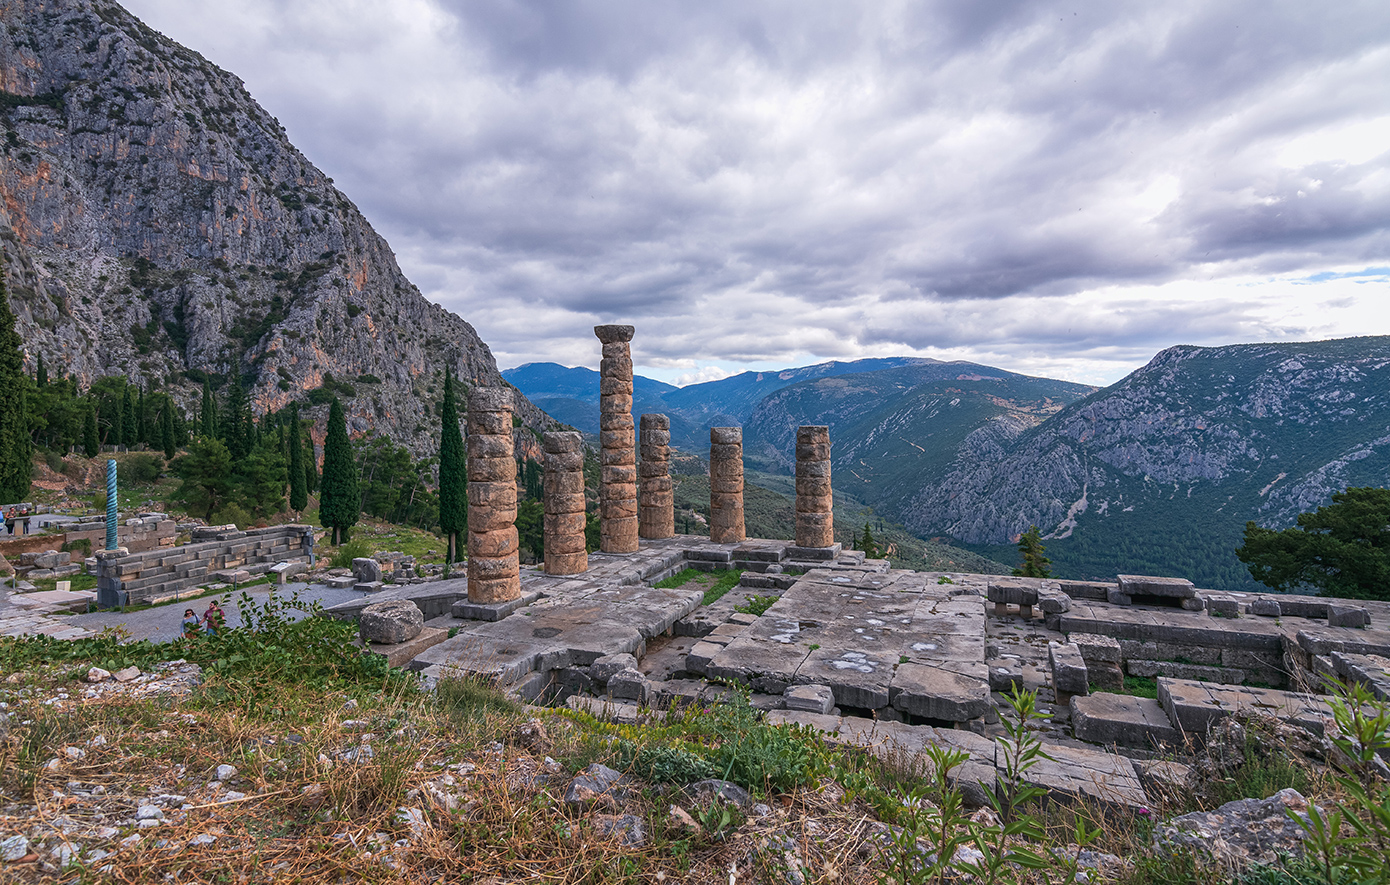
x,y
213,619
190,624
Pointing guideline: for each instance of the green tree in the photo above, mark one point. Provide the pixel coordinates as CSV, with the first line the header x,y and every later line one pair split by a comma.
x,y
206,474
91,445
868,544
299,485
41,373
130,422
339,500
261,480
207,413
1035,564
234,425
166,429
1342,549
453,472
16,446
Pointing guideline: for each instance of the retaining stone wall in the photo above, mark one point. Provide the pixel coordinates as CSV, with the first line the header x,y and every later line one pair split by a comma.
x,y
164,573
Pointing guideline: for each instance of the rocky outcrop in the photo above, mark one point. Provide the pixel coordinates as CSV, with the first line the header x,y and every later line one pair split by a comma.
x,y
155,222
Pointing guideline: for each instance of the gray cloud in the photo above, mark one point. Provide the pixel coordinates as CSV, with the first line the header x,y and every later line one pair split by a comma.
x,y
784,181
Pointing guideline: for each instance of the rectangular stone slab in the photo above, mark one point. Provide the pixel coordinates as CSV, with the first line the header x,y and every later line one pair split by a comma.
x,y
1104,718
1087,774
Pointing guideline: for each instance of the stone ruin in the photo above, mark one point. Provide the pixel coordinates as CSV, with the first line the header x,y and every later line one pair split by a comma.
x,y
884,658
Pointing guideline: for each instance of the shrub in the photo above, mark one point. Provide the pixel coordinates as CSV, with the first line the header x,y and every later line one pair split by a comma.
x,y
82,546
346,553
232,513
140,467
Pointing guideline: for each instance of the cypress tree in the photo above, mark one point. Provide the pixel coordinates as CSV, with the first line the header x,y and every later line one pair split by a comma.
x,y
453,472
142,408
90,444
339,500
299,492
166,429
234,427
207,413
41,375
16,448
130,425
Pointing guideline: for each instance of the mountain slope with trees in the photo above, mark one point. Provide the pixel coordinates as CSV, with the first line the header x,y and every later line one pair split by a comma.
x,y
157,225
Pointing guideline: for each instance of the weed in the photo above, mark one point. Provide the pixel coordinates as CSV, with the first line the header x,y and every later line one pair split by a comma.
x,y
756,605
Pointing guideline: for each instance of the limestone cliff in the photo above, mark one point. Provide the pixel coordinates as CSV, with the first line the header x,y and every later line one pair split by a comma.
x,y
155,222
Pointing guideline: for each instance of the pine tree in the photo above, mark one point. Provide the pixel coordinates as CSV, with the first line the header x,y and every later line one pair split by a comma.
x,y
41,374
130,426
299,493
16,447
339,499
867,544
1035,565
91,445
207,413
453,471
142,418
166,429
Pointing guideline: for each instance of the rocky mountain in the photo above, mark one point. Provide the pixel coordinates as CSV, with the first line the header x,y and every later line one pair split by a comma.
x,y
571,395
155,222
896,431
1161,471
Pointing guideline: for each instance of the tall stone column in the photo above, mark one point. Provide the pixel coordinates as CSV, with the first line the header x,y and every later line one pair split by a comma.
x,y
656,499
494,570
565,552
617,499
726,485
815,522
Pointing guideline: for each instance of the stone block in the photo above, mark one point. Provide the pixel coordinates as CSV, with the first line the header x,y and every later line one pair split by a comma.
x,y
698,658
809,698
366,569
369,586
933,692
1115,596
607,666
390,622
1068,669
1104,718
1265,607
1054,603
1347,616
628,685
1223,606
1096,648
1147,585
1012,592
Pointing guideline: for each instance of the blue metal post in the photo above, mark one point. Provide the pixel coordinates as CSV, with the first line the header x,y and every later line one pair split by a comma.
x,y
110,504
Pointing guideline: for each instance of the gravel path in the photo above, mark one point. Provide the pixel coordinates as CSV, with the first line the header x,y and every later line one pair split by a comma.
x,y
165,622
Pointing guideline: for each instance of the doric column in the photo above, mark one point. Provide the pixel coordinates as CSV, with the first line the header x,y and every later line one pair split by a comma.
x,y
565,553
815,522
656,500
726,485
617,499
494,571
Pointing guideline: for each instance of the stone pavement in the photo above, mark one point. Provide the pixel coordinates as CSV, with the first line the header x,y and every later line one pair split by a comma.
x,y
39,613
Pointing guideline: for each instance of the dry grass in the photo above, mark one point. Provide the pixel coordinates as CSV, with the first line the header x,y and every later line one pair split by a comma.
x,y
488,796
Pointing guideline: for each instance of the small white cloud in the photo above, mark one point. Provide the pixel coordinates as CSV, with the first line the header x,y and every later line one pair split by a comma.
x,y
701,375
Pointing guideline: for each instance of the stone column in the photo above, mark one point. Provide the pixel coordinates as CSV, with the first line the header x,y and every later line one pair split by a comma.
x,y
617,499
494,570
565,553
656,500
726,485
815,526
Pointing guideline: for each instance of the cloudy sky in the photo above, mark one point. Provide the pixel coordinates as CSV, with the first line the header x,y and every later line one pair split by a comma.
x,y
1054,189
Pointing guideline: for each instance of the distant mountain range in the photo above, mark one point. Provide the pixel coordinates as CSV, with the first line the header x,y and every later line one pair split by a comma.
x,y
1157,473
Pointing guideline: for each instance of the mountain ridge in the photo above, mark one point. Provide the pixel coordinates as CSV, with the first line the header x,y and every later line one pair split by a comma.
x,y
155,222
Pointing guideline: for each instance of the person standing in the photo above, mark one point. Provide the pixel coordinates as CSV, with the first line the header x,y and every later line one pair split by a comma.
x,y
213,619
191,623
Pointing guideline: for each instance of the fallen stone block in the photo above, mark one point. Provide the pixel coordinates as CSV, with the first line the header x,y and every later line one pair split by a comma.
x,y
1265,608
698,658
1347,616
1223,606
1011,592
1096,648
1068,670
607,666
810,698
628,685
390,622
1104,718
366,569
368,586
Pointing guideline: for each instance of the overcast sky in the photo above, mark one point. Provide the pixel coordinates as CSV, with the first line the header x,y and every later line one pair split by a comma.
x,y
1060,190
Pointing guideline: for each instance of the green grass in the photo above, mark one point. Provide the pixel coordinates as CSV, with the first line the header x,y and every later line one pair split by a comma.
x,y
715,584
79,582
1135,686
